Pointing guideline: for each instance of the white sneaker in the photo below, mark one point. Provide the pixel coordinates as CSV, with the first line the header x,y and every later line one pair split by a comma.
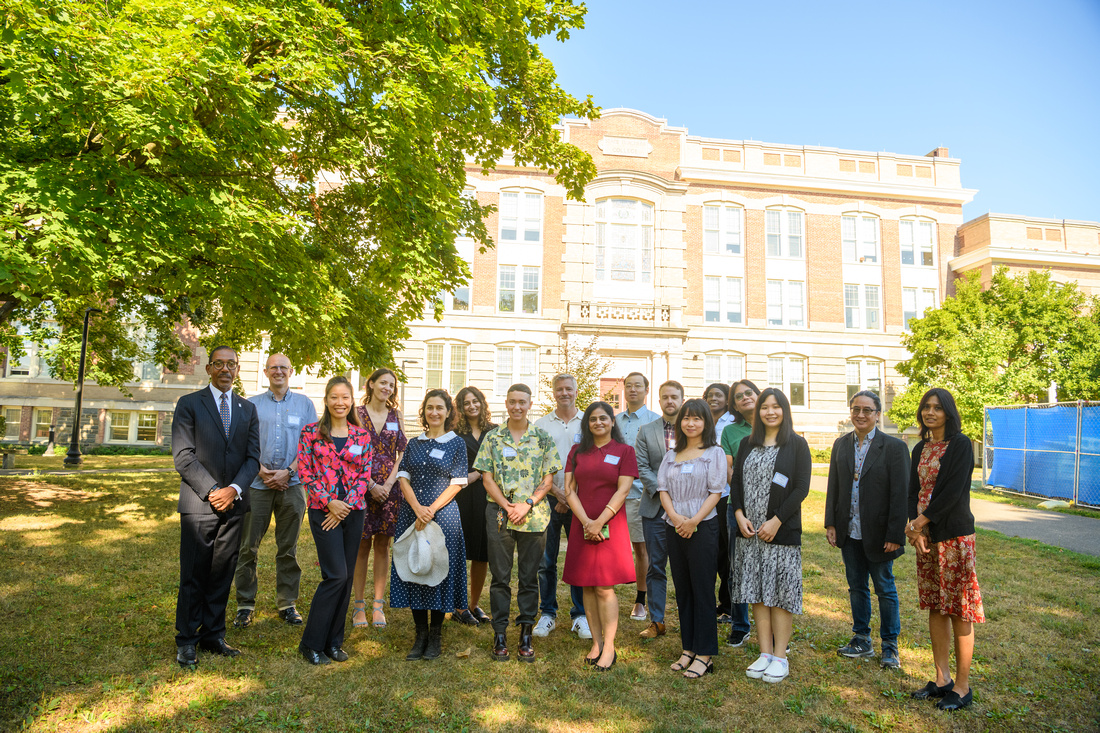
x,y
756,669
545,625
777,671
581,627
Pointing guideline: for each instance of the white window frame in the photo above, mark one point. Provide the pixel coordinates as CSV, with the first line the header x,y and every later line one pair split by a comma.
x,y
866,372
513,364
520,278
454,365
781,369
922,252
643,246
449,298
527,217
723,229
133,416
920,300
729,300
859,237
779,236
727,367
865,313
787,299
32,365
38,413
12,427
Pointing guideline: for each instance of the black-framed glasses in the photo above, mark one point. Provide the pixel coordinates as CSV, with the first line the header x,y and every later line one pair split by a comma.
x,y
863,411
223,364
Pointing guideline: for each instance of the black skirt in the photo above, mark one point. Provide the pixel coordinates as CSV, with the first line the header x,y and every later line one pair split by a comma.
x,y
472,501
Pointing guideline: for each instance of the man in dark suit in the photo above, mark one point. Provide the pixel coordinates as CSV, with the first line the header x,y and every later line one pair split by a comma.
x,y
865,515
216,449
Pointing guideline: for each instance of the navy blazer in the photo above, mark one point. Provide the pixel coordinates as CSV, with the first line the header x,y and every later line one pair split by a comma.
x,y
205,458
883,493
785,502
948,512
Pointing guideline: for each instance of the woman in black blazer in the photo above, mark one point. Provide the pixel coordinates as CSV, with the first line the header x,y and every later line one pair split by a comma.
x,y
771,479
942,531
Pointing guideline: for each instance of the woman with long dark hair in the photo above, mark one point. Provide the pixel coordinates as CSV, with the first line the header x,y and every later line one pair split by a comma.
x,y
334,463
690,482
941,528
432,473
598,475
473,422
381,418
771,479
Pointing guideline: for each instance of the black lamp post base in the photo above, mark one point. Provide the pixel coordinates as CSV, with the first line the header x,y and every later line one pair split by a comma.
x,y
73,459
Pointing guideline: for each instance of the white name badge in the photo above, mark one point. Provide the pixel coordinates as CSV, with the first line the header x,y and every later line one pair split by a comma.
x,y
355,450
779,479
392,426
613,460
294,420
687,468
437,453
577,438
509,452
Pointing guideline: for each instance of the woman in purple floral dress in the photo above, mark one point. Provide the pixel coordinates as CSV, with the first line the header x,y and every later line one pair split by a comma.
x,y
387,433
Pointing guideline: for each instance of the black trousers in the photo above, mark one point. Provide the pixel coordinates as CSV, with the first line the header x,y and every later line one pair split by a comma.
x,y
336,552
208,557
693,563
723,558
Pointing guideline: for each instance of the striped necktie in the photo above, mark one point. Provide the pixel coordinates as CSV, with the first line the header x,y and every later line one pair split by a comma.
x,y
225,415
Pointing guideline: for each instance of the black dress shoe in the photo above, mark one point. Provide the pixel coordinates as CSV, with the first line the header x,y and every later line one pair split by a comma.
x,y
187,656
313,656
336,654
953,701
500,647
932,691
243,619
463,616
526,644
291,616
481,616
220,648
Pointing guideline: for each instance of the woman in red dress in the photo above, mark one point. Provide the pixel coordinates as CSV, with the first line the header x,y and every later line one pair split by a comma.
x,y
598,474
941,528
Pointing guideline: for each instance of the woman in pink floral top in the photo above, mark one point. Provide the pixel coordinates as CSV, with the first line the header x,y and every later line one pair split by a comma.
x,y
380,416
942,531
334,463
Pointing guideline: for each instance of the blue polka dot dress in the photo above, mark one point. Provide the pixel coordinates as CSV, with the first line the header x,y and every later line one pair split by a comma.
x,y
431,465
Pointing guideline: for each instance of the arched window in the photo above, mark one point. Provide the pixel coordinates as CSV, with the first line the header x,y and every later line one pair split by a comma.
x,y
788,373
918,241
863,373
723,366
624,241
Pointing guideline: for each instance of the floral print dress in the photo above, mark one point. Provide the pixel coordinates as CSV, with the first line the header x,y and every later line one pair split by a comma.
x,y
381,517
947,580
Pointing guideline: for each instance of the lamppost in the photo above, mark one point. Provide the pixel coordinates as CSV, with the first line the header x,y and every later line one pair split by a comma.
x,y
73,457
404,379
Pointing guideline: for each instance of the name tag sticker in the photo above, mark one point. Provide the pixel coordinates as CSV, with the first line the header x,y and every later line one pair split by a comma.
x,y
392,426
613,460
509,452
577,438
779,479
437,453
687,468
355,450
294,420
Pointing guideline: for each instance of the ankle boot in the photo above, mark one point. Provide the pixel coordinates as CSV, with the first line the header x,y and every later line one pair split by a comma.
x,y
419,644
435,643
526,644
500,647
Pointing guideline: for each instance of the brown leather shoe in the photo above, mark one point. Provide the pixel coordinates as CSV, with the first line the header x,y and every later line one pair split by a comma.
x,y
500,647
654,630
526,644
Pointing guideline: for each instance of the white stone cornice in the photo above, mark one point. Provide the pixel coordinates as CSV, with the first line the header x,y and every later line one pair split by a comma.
x,y
827,185
1010,255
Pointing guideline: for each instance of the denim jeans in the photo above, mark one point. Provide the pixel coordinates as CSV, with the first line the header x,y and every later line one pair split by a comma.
x,y
857,568
739,611
548,570
656,579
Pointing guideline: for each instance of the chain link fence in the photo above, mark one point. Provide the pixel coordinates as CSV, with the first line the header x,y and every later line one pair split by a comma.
x,y
1051,450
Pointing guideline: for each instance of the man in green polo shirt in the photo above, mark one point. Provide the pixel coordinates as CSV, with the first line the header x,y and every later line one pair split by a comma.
x,y
517,462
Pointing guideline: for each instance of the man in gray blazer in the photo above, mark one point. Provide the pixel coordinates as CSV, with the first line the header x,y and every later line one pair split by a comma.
x,y
216,450
865,515
654,440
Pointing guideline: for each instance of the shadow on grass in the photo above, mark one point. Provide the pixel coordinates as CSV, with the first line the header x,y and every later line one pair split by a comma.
x,y
88,575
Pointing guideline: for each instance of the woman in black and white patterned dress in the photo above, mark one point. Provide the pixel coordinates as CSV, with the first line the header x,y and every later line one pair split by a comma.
x,y
771,479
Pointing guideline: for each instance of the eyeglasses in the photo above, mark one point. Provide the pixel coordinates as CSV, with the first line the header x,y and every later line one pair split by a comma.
x,y
864,411
743,395
219,365
278,369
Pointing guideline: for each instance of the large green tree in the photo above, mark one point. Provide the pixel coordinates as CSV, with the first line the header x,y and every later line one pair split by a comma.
x,y
158,160
1002,345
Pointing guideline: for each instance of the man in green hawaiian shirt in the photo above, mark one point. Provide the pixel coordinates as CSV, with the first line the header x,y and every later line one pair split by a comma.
x,y
517,462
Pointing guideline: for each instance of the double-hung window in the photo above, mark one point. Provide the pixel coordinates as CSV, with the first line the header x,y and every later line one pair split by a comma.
x,y
520,216
859,238
445,366
721,229
917,241
722,300
624,241
723,367
521,296
786,303
862,307
863,374
788,372
784,232
914,302
516,365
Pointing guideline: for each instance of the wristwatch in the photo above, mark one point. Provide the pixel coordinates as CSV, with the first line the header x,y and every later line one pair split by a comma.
x,y
531,502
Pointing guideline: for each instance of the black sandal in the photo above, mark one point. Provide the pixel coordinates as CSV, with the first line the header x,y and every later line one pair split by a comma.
x,y
591,661
613,660
932,691
691,674
679,666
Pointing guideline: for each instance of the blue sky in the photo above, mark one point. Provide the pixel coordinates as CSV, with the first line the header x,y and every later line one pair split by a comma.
x,y
1011,88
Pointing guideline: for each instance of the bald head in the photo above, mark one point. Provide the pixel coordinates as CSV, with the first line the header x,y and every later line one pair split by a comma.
x,y
278,371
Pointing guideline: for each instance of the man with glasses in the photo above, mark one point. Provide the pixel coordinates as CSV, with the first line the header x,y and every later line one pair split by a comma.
x,y
216,450
276,491
865,515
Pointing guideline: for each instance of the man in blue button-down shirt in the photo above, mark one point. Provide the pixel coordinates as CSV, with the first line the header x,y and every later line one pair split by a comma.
x,y
275,492
630,420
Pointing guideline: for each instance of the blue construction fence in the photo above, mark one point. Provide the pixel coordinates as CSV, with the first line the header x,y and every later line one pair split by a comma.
x,y
1050,450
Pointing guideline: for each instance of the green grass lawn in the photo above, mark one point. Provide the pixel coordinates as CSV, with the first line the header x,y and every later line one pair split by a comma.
x,y
88,574
57,463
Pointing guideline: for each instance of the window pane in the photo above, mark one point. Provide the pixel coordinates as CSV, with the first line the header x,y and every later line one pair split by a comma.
x,y
848,237
794,233
851,306
871,299
12,418
712,368
147,427
869,240
710,229
528,367
775,302
908,305
733,299
928,300
775,372
433,372
42,420
532,216
851,372
733,230
458,368
711,299
507,289
504,370
795,313
120,426
735,369
798,394
906,242
460,301
773,235
509,216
